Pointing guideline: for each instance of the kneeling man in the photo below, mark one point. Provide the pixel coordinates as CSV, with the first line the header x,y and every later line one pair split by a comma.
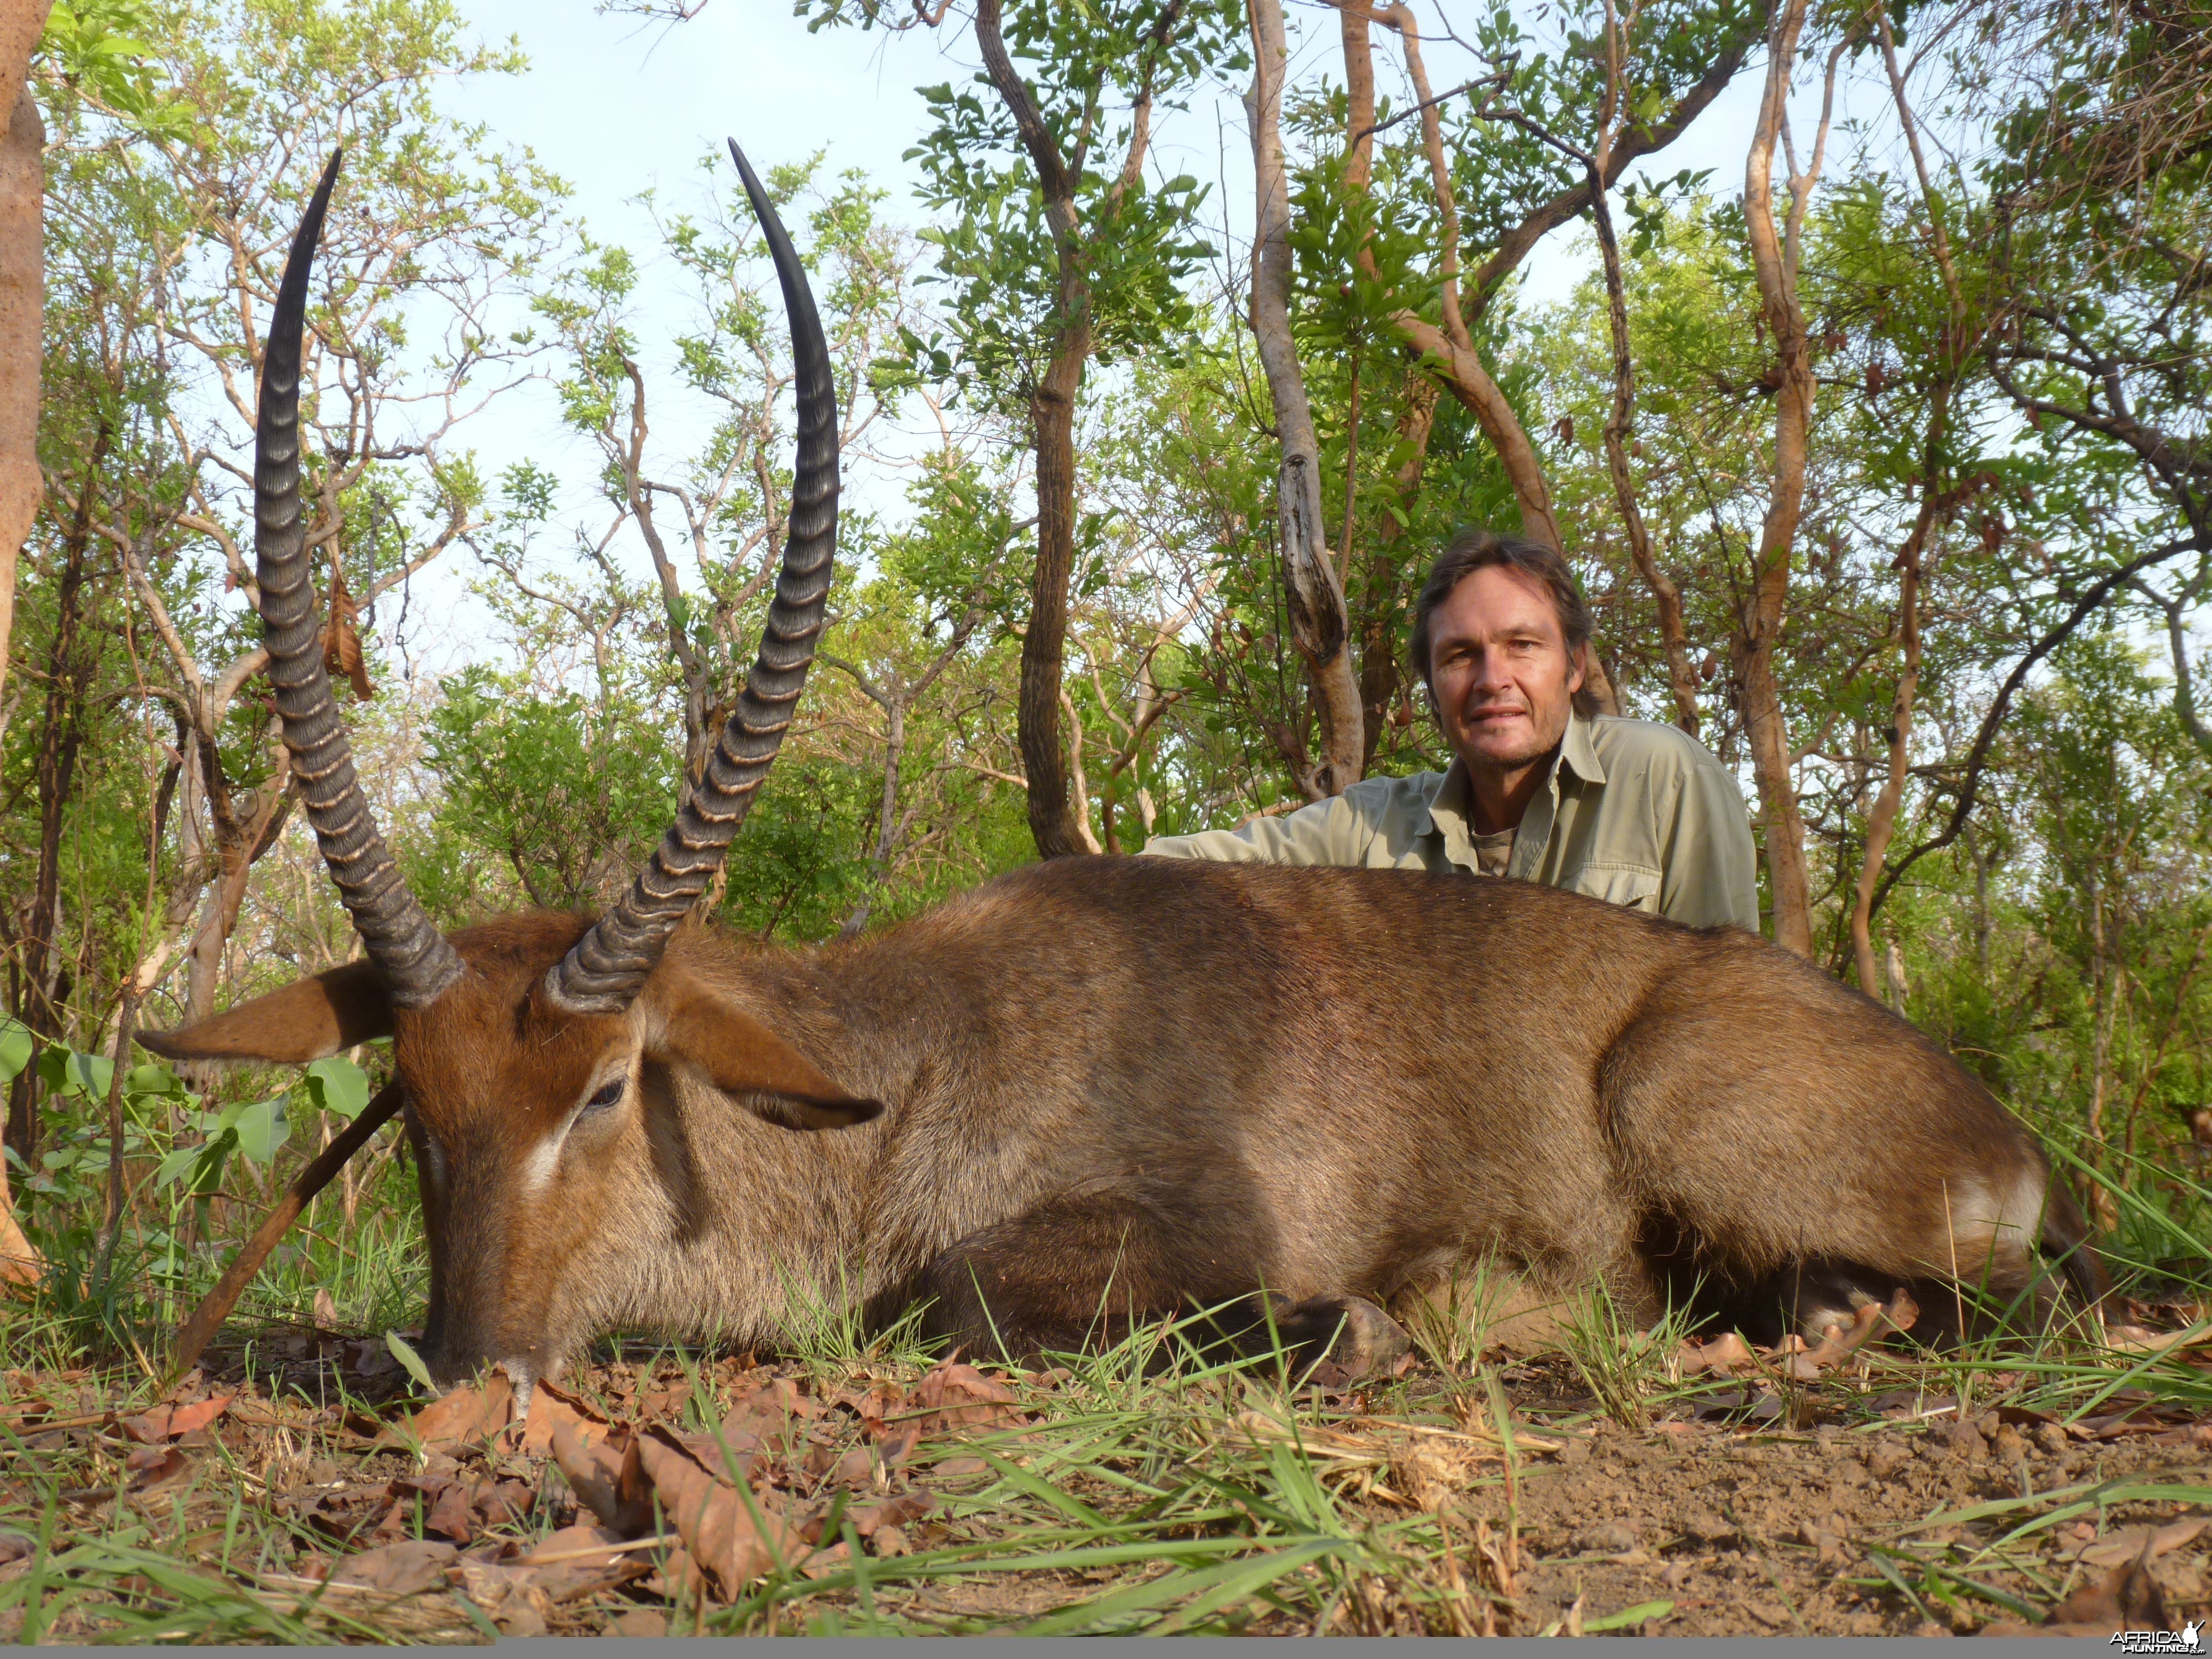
x,y
1540,787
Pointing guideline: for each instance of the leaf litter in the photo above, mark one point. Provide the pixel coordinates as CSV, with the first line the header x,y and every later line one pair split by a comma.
x,y
1841,1487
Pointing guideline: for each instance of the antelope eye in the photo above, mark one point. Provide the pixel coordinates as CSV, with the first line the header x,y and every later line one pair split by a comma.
x,y
607,1095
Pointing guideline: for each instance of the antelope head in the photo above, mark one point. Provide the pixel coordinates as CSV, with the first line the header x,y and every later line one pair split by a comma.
x,y
533,1051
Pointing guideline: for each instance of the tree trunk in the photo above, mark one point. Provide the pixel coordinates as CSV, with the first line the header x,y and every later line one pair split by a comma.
x,y
1682,679
1881,821
1760,618
1312,591
241,840
1380,669
69,671
1453,349
22,303
1052,414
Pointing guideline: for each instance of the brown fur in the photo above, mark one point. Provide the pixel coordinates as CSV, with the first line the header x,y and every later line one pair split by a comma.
x,y
1117,1087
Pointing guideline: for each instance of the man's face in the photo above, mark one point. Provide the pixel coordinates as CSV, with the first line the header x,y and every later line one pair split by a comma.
x,y
1504,679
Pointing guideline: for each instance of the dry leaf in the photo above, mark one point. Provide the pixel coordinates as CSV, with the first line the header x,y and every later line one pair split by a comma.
x,y
552,1407
867,1518
451,1514
608,1478
342,653
151,1428
730,1533
956,1396
1728,1355
155,1466
182,1419
466,1417
666,1401
2126,1599
325,1311
2115,1548
1837,1345
401,1569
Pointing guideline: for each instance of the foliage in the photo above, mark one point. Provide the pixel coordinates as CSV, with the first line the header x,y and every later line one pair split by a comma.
x,y
2045,391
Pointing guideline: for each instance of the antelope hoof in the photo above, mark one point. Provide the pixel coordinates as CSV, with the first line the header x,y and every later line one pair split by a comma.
x,y
1365,1337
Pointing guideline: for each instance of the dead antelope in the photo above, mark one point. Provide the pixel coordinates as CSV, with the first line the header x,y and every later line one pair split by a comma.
x,y
1096,1091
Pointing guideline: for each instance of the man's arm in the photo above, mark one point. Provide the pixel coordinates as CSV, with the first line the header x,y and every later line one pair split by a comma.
x,y
1332,831
1710,870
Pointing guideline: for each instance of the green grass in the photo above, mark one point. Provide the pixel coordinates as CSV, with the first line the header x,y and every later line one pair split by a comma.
x,y
1136,1504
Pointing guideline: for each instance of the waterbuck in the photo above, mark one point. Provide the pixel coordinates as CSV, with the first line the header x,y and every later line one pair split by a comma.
x,y
1095,1090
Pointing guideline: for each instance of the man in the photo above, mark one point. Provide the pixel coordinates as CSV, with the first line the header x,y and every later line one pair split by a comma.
x,y
1540,787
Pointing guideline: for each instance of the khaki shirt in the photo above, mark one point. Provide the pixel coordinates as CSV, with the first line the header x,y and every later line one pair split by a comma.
x,y
1634,813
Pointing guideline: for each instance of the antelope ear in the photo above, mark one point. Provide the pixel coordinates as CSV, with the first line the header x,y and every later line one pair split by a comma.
x,y
308,1019
741,1056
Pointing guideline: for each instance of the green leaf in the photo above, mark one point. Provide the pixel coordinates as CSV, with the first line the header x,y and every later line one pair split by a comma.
x,y
143,1080
202,1164
17,1045
1628,1617
404,1354
91,1074
261,1129
338,1086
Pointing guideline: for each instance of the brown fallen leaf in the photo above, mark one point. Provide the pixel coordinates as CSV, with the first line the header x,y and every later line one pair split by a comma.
x,y
1726,1355
866,1519
953,1395
734,1535
875,1408
1837,1345
401,1569
2127,1598
566,1563
147,1428
2128,1545
2140,1339
853,1471
550,1406
453,1515
468,1416
324,1311
667,1400
608,1478
183,1419
155,1466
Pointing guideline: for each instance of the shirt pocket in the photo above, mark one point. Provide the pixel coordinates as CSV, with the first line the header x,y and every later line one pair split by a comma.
x,y
1631,886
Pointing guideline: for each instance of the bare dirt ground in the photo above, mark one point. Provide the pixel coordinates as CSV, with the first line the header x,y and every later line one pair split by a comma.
x,y
290,1492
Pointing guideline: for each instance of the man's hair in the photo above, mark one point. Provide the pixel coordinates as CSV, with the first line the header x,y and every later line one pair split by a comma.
x,y
1471,551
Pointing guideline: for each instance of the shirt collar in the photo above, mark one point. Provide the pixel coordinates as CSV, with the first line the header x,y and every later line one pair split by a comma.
x,y
1579,749
1449,809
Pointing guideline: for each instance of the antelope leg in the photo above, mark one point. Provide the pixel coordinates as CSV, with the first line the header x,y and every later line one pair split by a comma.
x,y
208,1317
1084,1271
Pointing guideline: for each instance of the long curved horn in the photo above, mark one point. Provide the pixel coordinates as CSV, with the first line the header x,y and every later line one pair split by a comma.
x,y
609,964
406,946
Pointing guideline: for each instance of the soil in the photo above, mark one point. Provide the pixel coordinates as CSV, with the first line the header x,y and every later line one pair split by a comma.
x,y
1851,1504
1755,1532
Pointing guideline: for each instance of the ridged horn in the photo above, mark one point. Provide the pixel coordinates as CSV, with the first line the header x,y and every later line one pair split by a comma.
x,y
611,964
406,946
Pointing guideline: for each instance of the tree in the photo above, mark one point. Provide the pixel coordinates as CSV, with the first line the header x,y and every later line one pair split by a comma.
x,y
1314,592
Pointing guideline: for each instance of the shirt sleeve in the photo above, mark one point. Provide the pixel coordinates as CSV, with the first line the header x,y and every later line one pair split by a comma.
x,y
1711,871
1332,832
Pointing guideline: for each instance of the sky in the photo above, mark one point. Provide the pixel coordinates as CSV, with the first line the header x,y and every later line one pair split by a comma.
x,y
616,104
